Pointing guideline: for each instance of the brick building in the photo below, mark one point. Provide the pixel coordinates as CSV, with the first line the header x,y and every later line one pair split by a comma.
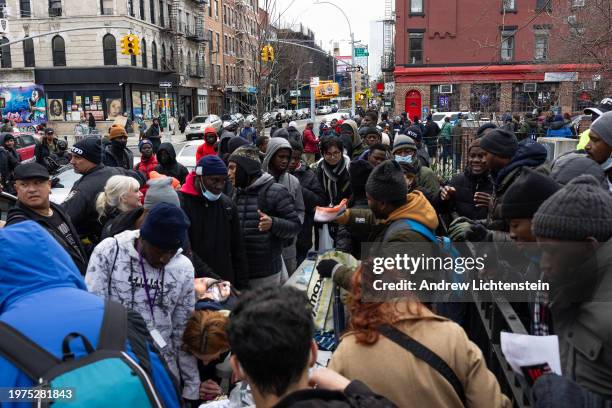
x,y
490,57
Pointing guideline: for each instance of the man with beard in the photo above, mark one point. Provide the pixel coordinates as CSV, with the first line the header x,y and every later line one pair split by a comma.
x,y
599,147
168,166
117,154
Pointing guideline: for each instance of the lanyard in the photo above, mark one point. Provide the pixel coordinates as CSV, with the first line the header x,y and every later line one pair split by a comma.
x,y
145,285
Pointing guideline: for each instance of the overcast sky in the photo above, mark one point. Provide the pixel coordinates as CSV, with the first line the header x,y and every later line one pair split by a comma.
x,y
329,24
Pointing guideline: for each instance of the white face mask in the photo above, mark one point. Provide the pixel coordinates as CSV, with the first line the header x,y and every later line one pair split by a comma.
x,y
208,195
607,165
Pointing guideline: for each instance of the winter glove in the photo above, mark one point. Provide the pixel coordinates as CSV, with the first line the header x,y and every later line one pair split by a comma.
x,y
477,233
459,220
327,267
457,231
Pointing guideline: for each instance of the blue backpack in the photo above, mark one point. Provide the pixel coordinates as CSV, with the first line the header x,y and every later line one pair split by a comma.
x,y
105,376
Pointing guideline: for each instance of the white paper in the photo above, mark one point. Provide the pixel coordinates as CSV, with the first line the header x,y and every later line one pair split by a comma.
x,y
328,214
521,350
159,340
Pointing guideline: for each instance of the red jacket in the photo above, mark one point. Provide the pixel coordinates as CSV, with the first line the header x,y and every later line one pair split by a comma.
x,y
204,150
145,167
311,142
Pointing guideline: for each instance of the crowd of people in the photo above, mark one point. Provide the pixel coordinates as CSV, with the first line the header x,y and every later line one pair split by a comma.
x,y
192,265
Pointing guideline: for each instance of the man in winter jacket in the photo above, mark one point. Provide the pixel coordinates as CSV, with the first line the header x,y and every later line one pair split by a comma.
x,y
414,132
209,145
293,132
276,163
285,312
574,229
46,147
148,161
154,134
430,135
371,136
405,151
311,143
9,160
166,156
505,159
267,216
80,205
213,214
33,188
54,292
117,154
349,134
248,132
313,195
146,272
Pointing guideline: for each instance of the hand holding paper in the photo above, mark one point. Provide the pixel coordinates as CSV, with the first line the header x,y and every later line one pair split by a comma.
x,y
329,214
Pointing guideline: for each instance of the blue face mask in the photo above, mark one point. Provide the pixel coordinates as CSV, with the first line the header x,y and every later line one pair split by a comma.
x,y
210,196
405,159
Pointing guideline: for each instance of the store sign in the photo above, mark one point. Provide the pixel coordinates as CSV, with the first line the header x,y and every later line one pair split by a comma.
x,y
314,81
390,87
560,76
165,84
380,87
252,89
294,93
202,92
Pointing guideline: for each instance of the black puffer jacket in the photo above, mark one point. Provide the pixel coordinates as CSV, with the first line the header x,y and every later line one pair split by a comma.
x,y
314,196
264,249
9,159
466,185
116,158
294,134
173,169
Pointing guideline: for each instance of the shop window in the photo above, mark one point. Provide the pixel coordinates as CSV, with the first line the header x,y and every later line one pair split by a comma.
x,y
5,50
153,55
143,51
59,51
529,96
444,98
28,53
586,94
484,98
109,45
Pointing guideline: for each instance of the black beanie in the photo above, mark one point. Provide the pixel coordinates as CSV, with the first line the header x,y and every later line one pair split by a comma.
x,y
579,210
359,171
526,194
89,148
234,143
387,183
484,127
500,142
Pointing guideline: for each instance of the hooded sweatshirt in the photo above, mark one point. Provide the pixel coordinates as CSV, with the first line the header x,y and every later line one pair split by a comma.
x,y
174,168
54,292
116,262
354,141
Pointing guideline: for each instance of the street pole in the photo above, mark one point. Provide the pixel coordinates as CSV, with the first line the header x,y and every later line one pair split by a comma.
x,y
297,85
353,74
312,104
167,117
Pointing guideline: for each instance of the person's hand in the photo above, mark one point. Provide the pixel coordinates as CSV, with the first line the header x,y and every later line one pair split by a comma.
x,y
327,379
457,231
459,220
209,390
477,233
447,192
327,267
482,199
265,221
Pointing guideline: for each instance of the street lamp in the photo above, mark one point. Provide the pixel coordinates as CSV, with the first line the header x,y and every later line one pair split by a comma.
x,y
297,85
352,51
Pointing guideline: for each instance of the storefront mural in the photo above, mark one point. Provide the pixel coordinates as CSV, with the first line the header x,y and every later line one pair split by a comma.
x,y
24,103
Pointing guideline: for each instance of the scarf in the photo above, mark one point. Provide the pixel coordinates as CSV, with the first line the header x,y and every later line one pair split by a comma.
x,y
331,174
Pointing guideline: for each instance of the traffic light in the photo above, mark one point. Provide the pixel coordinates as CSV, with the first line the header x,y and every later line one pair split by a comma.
x,y
135,45
265,56
270,53
130,45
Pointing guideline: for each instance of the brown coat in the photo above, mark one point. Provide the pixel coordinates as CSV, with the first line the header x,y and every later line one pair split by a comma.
x,y
395,373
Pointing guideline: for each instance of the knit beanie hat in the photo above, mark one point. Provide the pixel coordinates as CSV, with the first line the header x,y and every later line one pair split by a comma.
x,y
500,143
160,191
165,227
603,127
211,166
569,166
579,210
144,142
247,157
117,131
89,148
403,141
359,171
370,131
484,127
474,143
414,132
526,194
386,182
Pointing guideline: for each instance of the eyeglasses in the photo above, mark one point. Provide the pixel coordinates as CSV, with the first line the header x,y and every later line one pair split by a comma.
x,y
332,154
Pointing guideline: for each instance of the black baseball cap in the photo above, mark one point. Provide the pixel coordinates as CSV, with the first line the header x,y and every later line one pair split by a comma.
x,y
48,131
604,106
31,171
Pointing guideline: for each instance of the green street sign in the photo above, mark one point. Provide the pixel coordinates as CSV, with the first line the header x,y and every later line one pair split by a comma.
x,y
361,52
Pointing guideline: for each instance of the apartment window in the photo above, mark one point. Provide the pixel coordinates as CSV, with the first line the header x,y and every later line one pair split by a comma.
x,y
109,47
507,45
142,10
187,23
225,14
161,13
543,5
415,48
218,38
143,52
577,3
217,8
5,50
59,51
188,65
55,8
164,60
416,6
152,10
171,57
154,55
130,5
106,7
508,5
541,47
210,10
28,53
24,8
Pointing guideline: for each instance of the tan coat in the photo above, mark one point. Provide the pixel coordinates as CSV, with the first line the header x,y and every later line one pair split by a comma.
x,y
395,373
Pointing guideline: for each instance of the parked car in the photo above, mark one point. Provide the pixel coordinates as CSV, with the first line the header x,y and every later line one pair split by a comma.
x,y
25,144
345,113
268,118
62,182
187,155
323,110
438,117
195,128
283,113
238,118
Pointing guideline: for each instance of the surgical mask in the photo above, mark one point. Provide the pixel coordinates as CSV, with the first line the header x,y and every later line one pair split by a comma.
x,y
210,196
405,159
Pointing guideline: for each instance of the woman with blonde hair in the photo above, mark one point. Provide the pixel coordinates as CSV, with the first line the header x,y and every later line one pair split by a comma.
x,y
371,352
121,193
205,337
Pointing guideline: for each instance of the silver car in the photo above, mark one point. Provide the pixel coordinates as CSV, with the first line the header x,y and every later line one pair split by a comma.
x,y
195,128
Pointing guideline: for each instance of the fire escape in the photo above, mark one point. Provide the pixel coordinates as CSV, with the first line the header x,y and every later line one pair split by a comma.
x,y
388,58
243,9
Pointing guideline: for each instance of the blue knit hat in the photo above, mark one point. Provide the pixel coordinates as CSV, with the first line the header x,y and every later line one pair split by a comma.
x,y
144,142
165,227
211,166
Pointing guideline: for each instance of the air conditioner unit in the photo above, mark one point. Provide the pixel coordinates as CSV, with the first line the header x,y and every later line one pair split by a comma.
x,y
530,87
445,89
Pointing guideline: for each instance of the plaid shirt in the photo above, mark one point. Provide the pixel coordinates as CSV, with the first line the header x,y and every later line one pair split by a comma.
x,y
540,323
